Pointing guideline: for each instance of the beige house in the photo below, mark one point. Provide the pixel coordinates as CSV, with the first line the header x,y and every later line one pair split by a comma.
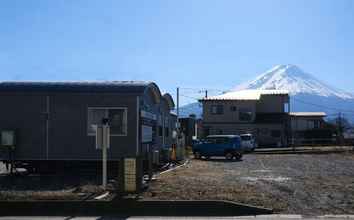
x,y
264,113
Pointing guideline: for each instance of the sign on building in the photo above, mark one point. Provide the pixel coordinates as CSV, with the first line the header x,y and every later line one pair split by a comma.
x,y
146,134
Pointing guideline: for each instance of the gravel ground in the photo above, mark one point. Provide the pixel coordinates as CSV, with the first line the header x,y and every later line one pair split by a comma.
x,y
289,184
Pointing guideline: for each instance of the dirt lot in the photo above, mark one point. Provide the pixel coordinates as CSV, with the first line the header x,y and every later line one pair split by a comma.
x,y
292,184
48,187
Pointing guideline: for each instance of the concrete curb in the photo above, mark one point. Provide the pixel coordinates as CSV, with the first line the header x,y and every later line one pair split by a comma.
x,y
128,208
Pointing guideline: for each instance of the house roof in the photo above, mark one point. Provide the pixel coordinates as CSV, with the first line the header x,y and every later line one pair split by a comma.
x,y
308,114
250,94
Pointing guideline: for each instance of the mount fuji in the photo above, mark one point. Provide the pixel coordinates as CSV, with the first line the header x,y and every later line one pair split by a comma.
x,y
307,93
296,81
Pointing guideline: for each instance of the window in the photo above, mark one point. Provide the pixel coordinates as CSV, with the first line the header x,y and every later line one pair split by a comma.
x,y
117,118
221,140
245,114
217,109
310,124
276,133
316,124
218,140
233,108
245,137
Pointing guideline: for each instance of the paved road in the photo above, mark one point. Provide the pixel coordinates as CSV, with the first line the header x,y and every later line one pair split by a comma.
x,y
267,217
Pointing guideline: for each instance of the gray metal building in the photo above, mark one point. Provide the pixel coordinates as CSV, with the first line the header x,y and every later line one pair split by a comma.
x,y
54,121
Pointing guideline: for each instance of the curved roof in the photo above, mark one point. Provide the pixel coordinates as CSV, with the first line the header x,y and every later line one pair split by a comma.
x,y
79,86
169,99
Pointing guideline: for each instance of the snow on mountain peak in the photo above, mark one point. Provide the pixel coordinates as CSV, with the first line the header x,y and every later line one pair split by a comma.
x,y
296,81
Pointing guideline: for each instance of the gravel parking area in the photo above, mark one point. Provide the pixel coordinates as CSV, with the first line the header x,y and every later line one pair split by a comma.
x,y
292,184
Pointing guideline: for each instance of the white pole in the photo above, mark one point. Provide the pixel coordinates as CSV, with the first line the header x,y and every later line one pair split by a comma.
x,y
104,167
104,155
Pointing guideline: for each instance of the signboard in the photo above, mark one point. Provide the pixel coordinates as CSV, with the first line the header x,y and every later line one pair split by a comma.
x,y
8,138
146,134
148,115
102,136
130,174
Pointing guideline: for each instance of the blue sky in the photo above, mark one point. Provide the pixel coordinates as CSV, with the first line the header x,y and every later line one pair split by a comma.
x,y
186,43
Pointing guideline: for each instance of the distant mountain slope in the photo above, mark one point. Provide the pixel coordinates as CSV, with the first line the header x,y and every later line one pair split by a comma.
x,y
307,93
296,81
192,108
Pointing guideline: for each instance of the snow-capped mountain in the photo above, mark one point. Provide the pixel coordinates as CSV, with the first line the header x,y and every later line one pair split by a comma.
x,y
307,93
296,81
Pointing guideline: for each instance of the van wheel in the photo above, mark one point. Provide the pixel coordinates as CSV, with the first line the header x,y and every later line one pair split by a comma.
x,y
238,156
229,156
197,155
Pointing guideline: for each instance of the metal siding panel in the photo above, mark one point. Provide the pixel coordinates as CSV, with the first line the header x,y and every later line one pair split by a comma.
x,y
25,114
68,128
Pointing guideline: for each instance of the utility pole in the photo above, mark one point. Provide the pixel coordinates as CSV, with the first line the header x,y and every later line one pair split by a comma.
x,y
340,128
177,103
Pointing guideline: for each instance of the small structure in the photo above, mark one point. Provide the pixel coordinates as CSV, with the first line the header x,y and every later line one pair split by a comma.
x,y
54,122
303,121
263,113
309,128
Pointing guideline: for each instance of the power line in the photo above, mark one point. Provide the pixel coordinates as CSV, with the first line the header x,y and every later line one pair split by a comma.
x,y
190,97
200,90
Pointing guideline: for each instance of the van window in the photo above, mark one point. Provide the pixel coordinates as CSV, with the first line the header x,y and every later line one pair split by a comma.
x,y
221,140
246,137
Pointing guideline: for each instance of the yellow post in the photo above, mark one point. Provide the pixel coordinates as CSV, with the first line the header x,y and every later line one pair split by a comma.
x,y
173,153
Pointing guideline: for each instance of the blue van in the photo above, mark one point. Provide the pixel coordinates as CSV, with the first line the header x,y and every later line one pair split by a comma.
x,y
228,146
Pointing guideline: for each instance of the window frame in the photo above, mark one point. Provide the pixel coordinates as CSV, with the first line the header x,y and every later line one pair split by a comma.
x,y
217,108
125,119
243,111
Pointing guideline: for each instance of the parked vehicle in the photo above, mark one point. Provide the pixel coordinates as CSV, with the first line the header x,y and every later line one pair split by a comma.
x,y
248,142
228,146
196,141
